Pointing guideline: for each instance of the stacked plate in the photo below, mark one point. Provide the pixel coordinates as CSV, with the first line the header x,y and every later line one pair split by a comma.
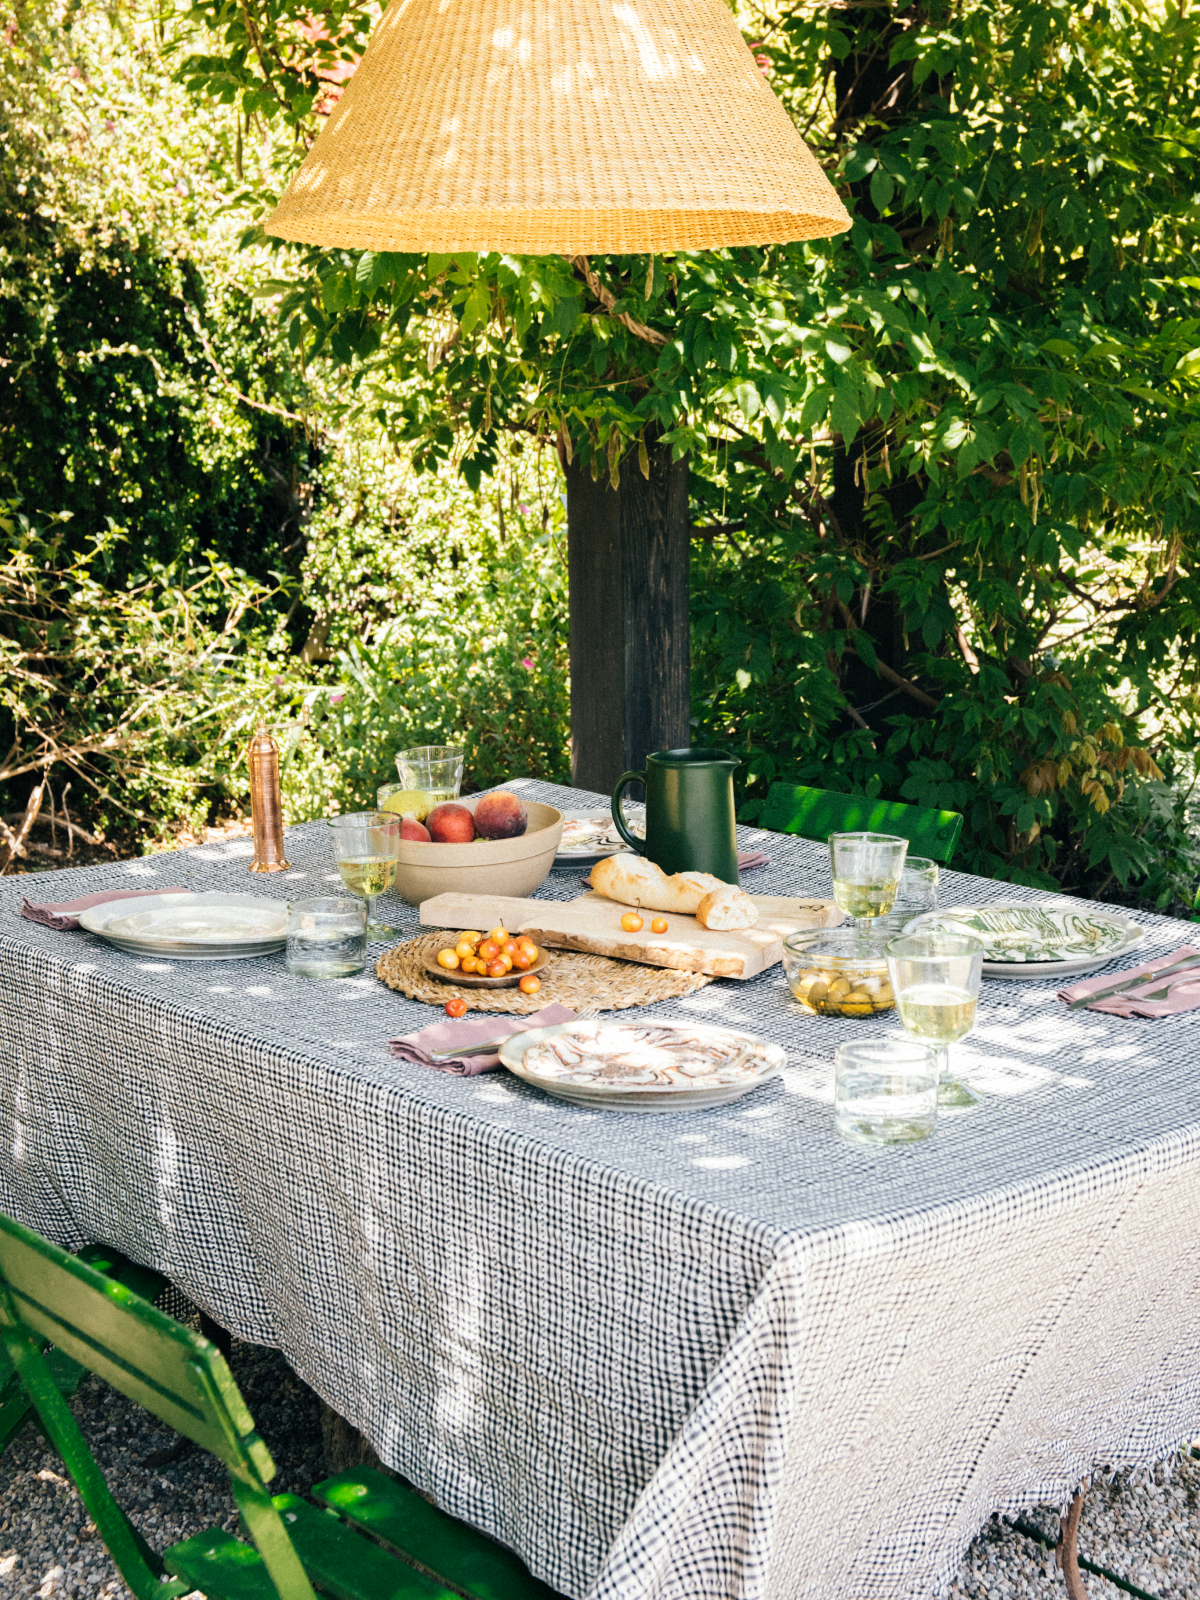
x,y
642,1066
192,927
1056,939
589,836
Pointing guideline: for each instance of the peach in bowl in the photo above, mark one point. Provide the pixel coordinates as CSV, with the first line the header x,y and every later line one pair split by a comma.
x,y
449,861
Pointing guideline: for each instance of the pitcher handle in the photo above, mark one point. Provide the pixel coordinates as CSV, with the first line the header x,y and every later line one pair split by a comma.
x,y
638,846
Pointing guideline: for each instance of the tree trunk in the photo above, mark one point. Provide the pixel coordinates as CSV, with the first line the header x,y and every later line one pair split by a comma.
x,y
628,552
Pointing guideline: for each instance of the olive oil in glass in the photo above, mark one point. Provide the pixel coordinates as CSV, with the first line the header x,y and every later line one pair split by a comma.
x,y
864,900
367,876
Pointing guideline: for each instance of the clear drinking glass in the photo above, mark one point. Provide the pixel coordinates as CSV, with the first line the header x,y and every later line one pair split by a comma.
x,y
366,847
866,872
918,886
935,977
326,938
886,1090
433,769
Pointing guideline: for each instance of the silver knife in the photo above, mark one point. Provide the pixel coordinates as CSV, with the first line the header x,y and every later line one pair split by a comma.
x,y
1176,967
490,1046
487,1048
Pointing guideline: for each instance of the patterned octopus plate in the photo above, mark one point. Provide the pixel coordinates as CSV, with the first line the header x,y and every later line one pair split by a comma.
x,y
589,836
192,927
1056,939
642,1066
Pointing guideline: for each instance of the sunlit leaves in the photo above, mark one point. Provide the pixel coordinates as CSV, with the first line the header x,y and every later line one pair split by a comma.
x,y
971,422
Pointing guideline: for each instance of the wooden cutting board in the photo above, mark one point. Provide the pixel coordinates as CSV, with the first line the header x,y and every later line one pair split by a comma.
x,y
593,923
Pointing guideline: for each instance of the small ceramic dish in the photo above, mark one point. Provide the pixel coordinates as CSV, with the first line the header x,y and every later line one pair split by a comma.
x,y
474,980
590,836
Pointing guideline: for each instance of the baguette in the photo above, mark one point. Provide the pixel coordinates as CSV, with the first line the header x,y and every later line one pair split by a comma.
x,y
634,881
726,909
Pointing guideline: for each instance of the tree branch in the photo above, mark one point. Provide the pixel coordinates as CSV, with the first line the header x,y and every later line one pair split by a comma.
x,y
16,841
62,820
882,668
258,405
608,300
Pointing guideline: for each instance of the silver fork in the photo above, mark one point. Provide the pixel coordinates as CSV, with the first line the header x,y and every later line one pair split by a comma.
x,y
490,1046
1177,969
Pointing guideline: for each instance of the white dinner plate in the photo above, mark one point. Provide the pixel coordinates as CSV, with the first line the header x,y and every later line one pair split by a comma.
x,y
1053,939
589,836
192,927
639,1066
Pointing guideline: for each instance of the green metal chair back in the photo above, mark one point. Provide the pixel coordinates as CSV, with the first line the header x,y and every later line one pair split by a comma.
x,y
816,813
15,1404
172,1371
376,1539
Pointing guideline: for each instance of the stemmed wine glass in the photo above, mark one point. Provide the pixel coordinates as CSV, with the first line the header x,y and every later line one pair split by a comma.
x,y
935,977
866,871
367,846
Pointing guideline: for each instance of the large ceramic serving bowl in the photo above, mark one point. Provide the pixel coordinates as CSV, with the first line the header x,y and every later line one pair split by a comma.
x,y
486,866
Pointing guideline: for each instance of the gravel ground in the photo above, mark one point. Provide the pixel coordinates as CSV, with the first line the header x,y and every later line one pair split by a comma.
x,y
1143,1526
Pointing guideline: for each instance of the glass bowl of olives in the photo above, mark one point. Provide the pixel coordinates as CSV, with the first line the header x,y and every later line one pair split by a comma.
x,y
839,972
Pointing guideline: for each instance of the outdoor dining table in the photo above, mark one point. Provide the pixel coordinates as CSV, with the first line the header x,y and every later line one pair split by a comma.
x,y
667,1357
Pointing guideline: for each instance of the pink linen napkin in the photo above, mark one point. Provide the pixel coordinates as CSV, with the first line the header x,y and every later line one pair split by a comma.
x,y
63,914
1183,995
457,1033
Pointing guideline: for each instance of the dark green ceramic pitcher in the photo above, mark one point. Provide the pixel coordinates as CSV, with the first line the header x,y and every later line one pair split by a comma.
x,y
689,812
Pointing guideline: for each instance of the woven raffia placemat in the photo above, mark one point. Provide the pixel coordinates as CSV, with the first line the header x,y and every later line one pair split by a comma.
x,y
572,979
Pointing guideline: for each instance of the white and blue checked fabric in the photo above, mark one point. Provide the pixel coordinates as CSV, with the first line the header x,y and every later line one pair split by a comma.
x,y
721,1354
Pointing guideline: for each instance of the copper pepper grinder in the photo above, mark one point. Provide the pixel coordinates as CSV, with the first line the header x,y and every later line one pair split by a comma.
x,y
266,804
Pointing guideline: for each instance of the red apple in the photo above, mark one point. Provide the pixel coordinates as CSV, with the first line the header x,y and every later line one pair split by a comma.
x,y
450,824
410,828
500,816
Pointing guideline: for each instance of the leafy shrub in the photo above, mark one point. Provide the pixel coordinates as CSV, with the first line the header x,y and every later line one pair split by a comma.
x,y
143,386
126,691
192,548
443,616
143,693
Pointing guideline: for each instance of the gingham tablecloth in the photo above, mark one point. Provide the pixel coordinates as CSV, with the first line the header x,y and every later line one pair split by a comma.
x,y
664,1358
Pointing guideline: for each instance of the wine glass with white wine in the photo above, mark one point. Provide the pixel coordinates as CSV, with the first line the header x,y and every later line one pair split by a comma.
x,y
935,977
367,846
866,871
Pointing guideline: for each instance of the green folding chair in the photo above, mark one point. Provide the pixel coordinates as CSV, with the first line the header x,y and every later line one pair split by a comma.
x,y
816,813
374,1539
15,1404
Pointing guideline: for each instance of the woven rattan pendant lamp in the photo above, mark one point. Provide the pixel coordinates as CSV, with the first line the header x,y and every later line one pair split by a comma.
x,y
540,126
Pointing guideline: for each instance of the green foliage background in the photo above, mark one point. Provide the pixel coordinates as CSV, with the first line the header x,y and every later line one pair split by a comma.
x,y
198,534
943,468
